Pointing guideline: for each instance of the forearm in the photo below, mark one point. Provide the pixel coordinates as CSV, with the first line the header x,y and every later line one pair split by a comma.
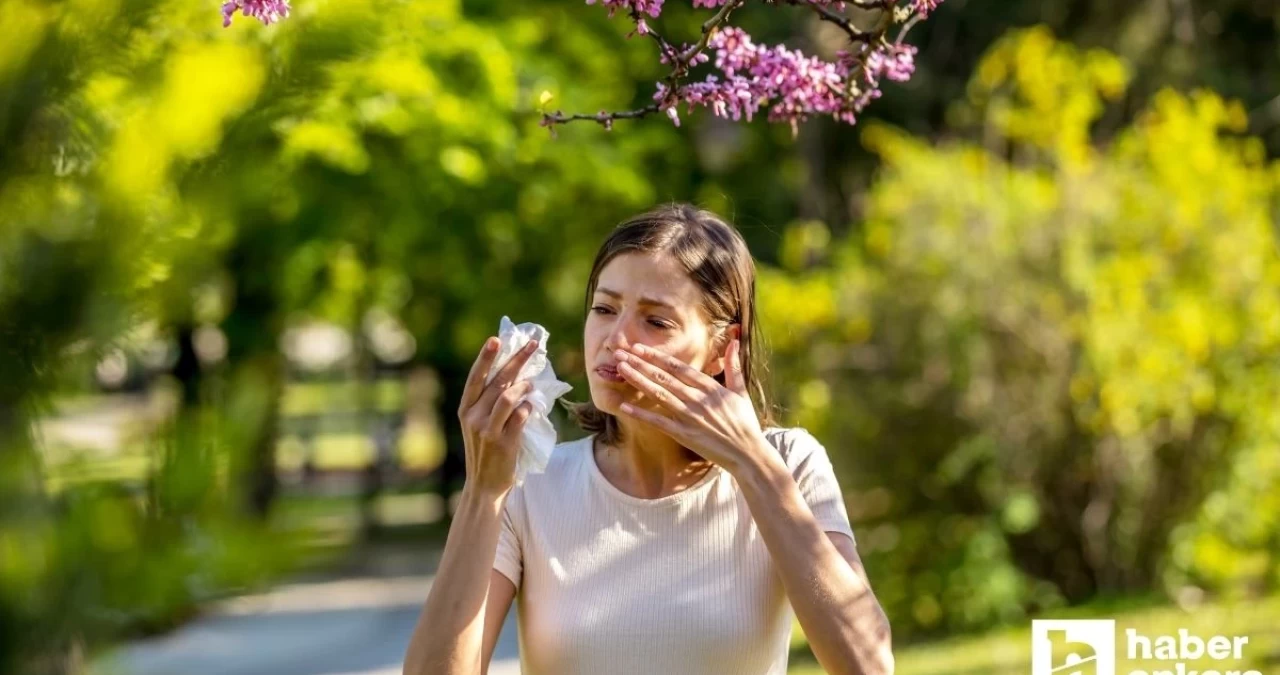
x,y
842,620
450,632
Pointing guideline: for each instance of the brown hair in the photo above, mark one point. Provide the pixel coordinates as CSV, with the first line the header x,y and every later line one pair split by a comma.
x,y
717,260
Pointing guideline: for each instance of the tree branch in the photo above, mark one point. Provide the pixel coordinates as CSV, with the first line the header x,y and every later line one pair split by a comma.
x,y
906,28
605,119
709,28
680,66
854,33
664,47
682,61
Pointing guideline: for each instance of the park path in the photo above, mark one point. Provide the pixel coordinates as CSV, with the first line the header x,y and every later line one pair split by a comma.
x,y
354,623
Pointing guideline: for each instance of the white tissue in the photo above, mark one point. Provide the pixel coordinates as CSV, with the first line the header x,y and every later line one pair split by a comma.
x,y
539,436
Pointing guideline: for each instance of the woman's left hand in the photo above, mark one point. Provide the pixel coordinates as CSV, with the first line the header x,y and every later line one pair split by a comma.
x,y
716,421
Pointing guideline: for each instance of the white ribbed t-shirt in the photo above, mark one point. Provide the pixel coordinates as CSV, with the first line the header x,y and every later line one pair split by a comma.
x,y
614,584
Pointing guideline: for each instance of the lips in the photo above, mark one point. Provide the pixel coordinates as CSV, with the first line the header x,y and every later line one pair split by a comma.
x,y
609,374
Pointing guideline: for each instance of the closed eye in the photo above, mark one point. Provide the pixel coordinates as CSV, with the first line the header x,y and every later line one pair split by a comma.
x,y
601,309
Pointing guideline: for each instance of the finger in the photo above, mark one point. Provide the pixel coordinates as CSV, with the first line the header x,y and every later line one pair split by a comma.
x,y
515,423
507,374
504,406
662,378
662,422
733,372
512,367
475,379
681,371
660,394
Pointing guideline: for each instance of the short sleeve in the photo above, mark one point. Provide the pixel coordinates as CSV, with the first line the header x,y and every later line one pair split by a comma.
x,y
508,559
816,478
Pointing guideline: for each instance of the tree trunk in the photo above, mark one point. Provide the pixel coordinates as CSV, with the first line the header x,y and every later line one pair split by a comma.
x,y
187,368
452,472
260,480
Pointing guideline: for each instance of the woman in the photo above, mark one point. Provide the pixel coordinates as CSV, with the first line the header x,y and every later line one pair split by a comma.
x,y
681,534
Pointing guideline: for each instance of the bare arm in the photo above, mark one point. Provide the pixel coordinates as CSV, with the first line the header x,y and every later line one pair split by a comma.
x,y
459,625
501,593
465,608
821,573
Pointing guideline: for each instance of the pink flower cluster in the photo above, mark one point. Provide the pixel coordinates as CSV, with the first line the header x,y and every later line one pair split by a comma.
x,y
892,61
792,84
924,7
651,7
266,11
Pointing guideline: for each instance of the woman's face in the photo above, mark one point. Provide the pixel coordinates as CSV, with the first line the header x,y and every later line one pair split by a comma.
x,y
645,299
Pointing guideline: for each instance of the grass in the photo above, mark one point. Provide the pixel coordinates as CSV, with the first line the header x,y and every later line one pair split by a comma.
x,y
330,413
417,451
1008,651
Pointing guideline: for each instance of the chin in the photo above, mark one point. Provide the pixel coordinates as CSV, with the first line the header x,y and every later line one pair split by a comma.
x,y
606,402
607,399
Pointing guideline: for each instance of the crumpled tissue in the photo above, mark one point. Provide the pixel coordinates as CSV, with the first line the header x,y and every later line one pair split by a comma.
x,y
539,436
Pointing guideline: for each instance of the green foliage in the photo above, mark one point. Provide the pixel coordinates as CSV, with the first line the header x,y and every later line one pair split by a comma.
x,y
1047,352
162,170
1051,347
1007,651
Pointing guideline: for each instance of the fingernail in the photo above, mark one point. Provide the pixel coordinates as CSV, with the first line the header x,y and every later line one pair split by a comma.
x,y
620,355
490,344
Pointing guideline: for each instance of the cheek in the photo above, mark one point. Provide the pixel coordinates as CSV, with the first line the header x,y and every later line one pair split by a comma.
x,y
592,336
685,348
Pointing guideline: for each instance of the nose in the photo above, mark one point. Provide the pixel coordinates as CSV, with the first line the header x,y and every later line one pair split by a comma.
x,y
621,334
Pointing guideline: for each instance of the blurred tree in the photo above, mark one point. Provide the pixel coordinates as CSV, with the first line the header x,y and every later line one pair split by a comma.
x,y
405,172
90,226
1048,353
1229,46
384,154
378,154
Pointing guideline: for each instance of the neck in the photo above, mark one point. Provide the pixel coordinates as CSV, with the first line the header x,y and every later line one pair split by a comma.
x,y
649,464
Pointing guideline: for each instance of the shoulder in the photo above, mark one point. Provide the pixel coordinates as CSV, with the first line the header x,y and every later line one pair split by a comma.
x,y
799,448
550,488
567,454
565,464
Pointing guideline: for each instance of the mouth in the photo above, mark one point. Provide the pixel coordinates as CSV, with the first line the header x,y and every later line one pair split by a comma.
x,y
609,374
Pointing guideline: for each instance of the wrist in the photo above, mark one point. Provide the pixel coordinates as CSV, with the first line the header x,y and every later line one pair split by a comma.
x,y
482,497
761,466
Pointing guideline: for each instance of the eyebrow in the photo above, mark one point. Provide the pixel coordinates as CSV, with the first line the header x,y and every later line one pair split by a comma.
x,y
644,299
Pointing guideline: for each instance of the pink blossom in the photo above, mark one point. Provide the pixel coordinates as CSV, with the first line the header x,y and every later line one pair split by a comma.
x,y
924,7
701,57
651,7
266,11
896,62
792,84
789,84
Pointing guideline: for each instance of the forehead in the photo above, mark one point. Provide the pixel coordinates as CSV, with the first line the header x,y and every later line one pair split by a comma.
x,y
656,277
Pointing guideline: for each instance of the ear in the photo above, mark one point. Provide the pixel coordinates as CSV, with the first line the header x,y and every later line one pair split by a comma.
x,y
733,332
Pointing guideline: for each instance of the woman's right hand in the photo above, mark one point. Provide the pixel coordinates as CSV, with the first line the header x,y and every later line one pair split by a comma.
x,y
491,421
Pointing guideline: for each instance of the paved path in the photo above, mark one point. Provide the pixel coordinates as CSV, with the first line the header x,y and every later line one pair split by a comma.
x,y
349,626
